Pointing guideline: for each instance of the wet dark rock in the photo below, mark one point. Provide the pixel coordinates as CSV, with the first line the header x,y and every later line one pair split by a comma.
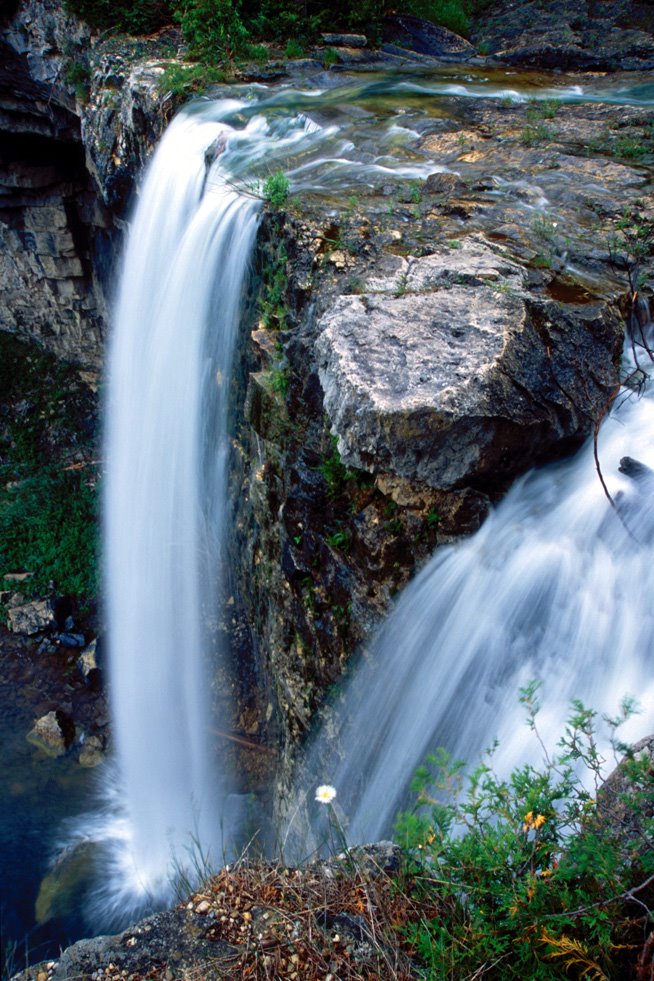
x,y
92,752
624,787
345,40
635,469
563,35
72,640
53,733
423,37
429,383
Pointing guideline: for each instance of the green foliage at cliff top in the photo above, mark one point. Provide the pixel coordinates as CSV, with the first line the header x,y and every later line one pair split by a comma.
x,y
47,480
218,30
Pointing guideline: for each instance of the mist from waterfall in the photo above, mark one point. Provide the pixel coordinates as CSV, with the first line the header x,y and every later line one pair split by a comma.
x,y
556,587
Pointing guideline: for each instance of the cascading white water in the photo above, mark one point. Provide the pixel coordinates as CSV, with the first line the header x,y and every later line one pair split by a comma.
x,y
553,587
166,448
169,373
165,802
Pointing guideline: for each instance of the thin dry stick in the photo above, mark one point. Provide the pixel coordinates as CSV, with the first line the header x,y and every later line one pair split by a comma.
x,y
645,963
598,467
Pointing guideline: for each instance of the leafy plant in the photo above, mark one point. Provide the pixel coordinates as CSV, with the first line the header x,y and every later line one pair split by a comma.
x,y
530,878
341,539
185,79
452,14
79,76
48,496
536,133
293,49
542,109
213,29
330,57
141,17
544,227
276,189
280,381
272,306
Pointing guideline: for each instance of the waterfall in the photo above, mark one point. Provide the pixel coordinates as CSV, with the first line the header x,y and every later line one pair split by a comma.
x,y
166,452
556,587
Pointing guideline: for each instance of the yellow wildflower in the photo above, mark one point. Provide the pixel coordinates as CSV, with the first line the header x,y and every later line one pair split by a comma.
x,y
533,821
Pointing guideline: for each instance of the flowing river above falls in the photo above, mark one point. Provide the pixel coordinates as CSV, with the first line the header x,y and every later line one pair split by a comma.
x,y
335,138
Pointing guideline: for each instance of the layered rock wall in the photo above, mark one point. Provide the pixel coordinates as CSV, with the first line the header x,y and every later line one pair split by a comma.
x,y
75,130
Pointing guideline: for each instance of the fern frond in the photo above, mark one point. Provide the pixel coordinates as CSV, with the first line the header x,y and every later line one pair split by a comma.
x,y
573,954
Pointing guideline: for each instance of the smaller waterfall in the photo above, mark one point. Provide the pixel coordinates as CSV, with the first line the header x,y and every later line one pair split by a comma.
x,y
553,587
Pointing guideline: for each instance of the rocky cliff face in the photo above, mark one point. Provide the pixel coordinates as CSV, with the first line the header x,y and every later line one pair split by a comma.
x,y
76,125
453,336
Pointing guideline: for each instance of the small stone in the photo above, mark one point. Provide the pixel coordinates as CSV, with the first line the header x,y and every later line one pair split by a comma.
x,y
72,640
86,662
203,907
31,618
53,733
92,752
337,258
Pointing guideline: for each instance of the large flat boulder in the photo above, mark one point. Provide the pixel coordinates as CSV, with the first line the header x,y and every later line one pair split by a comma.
x,y
450,373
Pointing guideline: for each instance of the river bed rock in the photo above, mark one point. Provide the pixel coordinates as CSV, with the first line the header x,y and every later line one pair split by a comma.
x,y
53,733
33,617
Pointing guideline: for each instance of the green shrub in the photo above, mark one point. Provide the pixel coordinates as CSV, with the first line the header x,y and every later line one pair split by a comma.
x,y
48,520
48,526
79,76
294,49
271,303
452,14
140,17
275,189
213,29
529,878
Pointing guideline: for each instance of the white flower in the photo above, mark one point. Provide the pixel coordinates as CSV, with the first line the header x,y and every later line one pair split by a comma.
x,y
325,794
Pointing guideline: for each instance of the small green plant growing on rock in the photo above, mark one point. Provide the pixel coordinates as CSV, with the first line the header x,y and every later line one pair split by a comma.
x,y
186,79
48,475
341,539
542,109
330,57
276,189
544,227
79,76
533,876
539,132
272,306
338,477
293,49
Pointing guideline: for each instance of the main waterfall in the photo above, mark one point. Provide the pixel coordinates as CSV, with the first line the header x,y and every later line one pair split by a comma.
x,y
166,449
